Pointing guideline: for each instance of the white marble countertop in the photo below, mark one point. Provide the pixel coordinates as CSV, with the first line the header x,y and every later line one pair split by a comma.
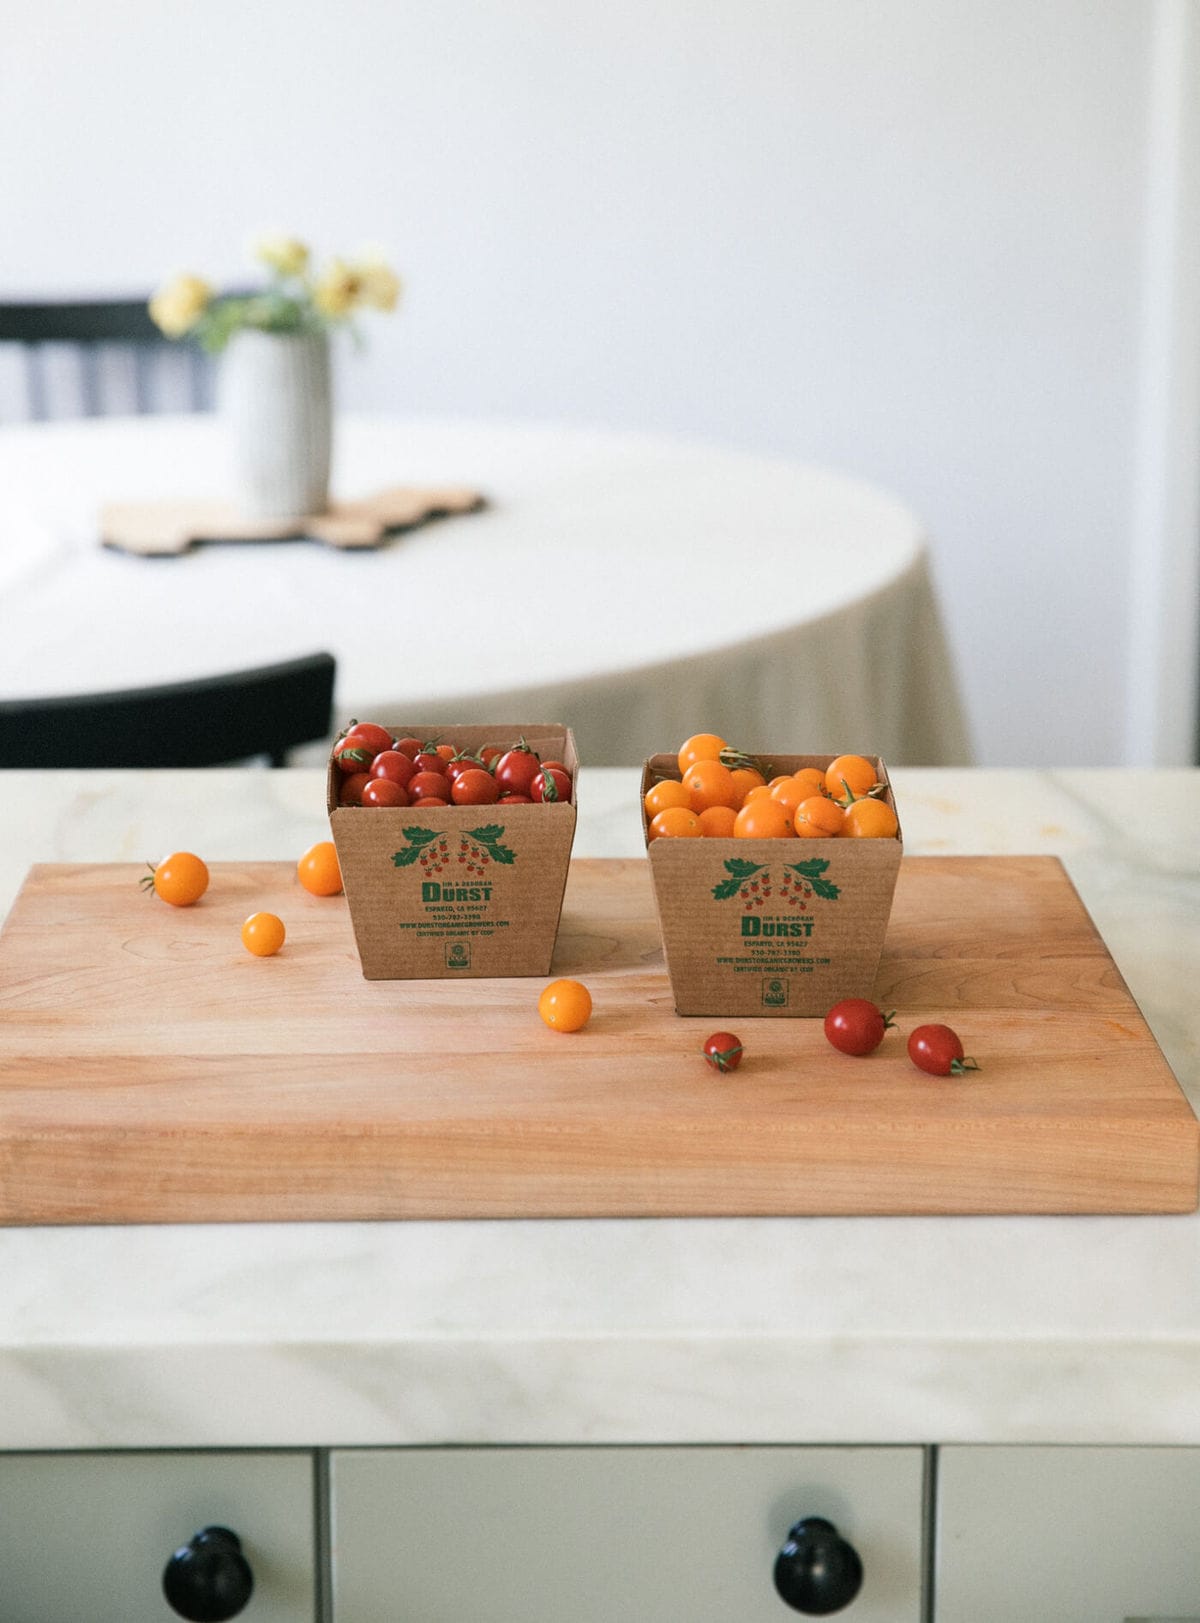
x,y
1069,1330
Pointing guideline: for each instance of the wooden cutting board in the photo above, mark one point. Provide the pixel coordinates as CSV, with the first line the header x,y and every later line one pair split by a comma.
x,y
155,1072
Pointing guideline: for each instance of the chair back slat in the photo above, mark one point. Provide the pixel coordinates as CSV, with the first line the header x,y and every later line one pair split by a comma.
x,y
76,360
237,716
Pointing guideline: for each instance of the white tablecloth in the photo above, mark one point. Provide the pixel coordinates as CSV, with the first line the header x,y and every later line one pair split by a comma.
x,y
638,588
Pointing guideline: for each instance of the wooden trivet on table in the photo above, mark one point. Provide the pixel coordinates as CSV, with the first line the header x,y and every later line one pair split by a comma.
x,y
167,529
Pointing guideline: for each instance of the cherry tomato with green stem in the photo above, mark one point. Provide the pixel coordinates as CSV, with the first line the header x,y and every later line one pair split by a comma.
x,y
938,1049
723,1051
550,784
370,735
516,769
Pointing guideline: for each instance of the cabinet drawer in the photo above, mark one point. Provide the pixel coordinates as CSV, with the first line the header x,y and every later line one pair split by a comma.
x,y
608,1535
88,1535
1067,1535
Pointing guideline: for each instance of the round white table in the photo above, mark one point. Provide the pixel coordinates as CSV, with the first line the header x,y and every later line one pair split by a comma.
x,y
637,588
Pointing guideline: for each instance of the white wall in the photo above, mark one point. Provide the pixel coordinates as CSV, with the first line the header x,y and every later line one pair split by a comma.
x,y
906,240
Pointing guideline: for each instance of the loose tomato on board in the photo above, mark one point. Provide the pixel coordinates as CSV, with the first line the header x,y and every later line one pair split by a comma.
x,y
938,1049
856,1026
180,879
723,1051
263,934
565,1005
318,869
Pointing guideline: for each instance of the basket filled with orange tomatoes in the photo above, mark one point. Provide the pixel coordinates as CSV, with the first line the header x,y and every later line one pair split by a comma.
x,y
773,875
454,845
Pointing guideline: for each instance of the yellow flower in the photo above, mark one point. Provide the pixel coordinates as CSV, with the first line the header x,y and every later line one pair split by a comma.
x,y
338,290
379,284
179,304
287,255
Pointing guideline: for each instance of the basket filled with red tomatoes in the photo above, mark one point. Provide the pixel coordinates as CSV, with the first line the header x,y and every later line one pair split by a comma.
x,y
773,875
454,845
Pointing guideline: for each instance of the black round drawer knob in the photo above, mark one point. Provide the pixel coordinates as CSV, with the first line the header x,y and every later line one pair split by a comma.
x,y
817,1571
208,1579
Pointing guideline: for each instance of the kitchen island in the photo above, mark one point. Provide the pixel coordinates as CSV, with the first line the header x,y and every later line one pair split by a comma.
x,y
814,1331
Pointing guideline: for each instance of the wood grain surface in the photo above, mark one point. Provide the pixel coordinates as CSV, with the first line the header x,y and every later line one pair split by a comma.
x,y
153,1071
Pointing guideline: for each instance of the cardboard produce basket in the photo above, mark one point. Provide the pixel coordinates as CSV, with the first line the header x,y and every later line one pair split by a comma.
x,y
771,927
458,891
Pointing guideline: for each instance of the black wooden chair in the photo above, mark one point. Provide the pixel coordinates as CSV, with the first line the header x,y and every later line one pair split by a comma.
x,y
92,358
212,721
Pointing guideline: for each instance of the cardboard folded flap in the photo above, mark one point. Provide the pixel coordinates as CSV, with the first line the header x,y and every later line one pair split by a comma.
x,y
459,891
771,927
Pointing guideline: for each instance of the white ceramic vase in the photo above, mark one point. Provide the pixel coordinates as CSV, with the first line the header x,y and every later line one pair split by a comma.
x,y
276,401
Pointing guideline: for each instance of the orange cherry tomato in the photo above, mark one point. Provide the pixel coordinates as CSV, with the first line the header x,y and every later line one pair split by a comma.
x,y
818,818
746,779
870,820
677,822
716,822
850,776
762,819
700,747
565,1005
263,934
662,795
757,792
318,869
789,792
812,777
181,879
709,783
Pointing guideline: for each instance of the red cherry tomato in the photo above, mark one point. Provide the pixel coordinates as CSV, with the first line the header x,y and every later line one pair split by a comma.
x,y
384,792
855,1026
515,800
475,787
353,754
938,1050
428,760
516,770
423,784
559,766
351,788
393,764
490,754
723,1051
409,746
462,763
551,784
370,735
429,800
